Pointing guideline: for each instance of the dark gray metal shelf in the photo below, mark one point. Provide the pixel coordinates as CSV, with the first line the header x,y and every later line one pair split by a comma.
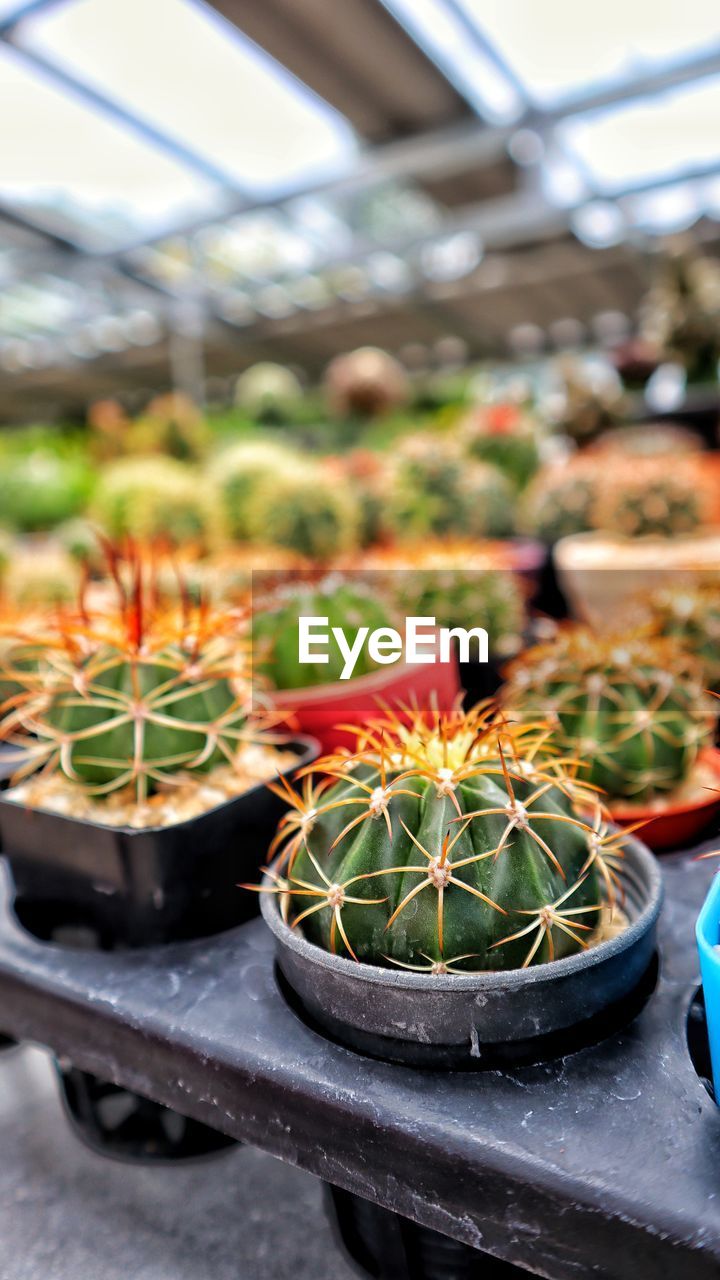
x,y
605,1163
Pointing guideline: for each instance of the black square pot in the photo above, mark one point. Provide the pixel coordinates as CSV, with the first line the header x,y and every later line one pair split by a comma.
x,y
138,887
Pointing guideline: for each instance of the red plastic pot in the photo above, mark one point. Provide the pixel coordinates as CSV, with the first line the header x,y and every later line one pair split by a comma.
x,y
320,710
676,826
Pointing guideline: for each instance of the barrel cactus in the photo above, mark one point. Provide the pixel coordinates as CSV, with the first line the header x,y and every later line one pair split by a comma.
x,y
652,497
40,489
458,844
506,436
346,603
629,707
155,499
237,472
300,509
560,500
437,491
460,584
131,697
268,393
171,424
689,612
365,383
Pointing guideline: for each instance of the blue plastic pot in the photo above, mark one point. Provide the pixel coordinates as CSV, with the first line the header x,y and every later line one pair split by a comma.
x,y
707,932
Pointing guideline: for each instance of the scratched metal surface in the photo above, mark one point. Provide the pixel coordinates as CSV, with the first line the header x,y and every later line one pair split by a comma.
x,y
603,1164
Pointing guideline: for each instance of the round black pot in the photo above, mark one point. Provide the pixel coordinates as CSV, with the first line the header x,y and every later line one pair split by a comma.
x,y
485,1019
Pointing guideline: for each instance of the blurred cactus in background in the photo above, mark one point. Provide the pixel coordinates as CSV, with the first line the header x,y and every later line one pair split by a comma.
x,y
629,708
269,393
365,383
436,490
156,499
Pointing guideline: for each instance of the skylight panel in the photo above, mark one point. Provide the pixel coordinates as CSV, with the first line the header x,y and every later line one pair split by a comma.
x,y
658,138
76,171
559,49
189,73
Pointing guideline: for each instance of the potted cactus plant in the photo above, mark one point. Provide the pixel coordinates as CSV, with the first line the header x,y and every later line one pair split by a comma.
x,y
449,892
689,611
632,710
505,435
321,700
437,491
141,759
460,584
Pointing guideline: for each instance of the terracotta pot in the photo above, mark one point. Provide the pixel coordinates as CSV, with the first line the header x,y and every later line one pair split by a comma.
x,y
320,710
676,826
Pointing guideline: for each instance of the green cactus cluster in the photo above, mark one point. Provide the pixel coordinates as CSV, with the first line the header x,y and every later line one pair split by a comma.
x,y
156,499
436,490
346,603
459,843
629,707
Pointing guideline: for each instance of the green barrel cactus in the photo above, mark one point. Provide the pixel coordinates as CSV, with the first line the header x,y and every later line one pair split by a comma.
x,y
132,697
304,510
40,489
457,844
437,491
560,500
689,613
156,499
630,708
647,497
236,474
269,393
506,436
275,630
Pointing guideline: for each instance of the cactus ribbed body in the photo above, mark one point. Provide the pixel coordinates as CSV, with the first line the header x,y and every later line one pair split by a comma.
x,y
456,845
629,708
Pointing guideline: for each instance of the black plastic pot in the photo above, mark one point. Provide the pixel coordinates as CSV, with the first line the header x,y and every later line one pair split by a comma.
x,y
88,885
141,887
485,1019
116,1122
387,1246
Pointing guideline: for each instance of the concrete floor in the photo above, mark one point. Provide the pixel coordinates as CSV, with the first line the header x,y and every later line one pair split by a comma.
x,y
67,1214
